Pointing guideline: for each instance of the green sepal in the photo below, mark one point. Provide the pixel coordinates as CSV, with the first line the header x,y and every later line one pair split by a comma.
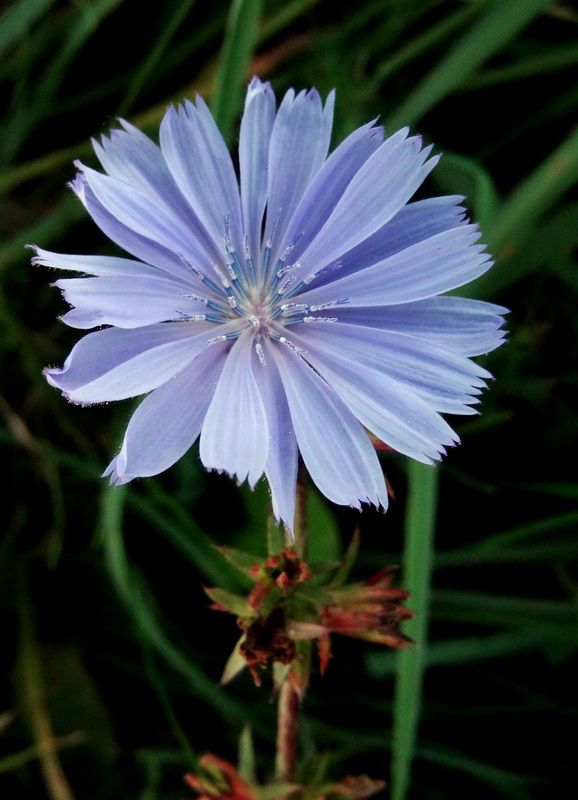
x,y
234,603
312,594
244,562
278,791
247,767
271,601
342,574
235,663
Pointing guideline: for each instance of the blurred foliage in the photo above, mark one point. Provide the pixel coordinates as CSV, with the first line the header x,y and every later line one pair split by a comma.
x,y
111,659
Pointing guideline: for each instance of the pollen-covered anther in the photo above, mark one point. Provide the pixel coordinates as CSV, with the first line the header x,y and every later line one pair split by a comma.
x,y
225,283
290,345
260,352
287,268
330,304
288,283
191,317
297,307
196,297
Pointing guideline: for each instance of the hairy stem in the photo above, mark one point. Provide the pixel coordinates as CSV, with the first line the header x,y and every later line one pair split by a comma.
x,y
289,697
288,712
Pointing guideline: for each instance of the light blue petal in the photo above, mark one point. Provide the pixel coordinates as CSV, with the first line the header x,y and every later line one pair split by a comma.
x,y
336,450
386,407
235,434
127,302
138,212
282,461
412,224
113,364
438,264
133,158
169,420
201,166
327,187
142,247
299,146
446,381
93,265
385,182
468,327
256,127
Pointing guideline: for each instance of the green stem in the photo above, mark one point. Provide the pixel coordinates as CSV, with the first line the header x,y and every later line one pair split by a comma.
x,y
287,724
417,568
289,700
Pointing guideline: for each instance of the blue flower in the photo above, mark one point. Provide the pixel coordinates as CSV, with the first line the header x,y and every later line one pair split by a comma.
x,y
290,310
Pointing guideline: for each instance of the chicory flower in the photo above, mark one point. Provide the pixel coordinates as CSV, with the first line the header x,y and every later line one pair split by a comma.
x,y
288,310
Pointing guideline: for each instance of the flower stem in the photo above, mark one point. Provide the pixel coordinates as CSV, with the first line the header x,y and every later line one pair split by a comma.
x,y
289,697
300,525
288,713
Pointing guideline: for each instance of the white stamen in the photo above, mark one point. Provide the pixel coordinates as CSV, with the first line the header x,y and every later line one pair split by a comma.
x,y
286,285
295,307
260,353
291,346
326,268
196,297
288,268
221,277
192,317
331,304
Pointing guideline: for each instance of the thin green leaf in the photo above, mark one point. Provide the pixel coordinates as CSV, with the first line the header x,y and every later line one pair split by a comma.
x,y
231,76
532,198
146,69
456,174
412,49
508,784
417,567
468,649
18,18
498,25
172,521
247,762
137,603
534,63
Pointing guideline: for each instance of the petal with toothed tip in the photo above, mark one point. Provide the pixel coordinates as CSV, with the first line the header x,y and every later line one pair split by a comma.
x,y
336,450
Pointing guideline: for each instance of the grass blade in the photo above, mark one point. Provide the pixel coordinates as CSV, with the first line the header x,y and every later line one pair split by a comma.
x,y
495,29
417,566
238,48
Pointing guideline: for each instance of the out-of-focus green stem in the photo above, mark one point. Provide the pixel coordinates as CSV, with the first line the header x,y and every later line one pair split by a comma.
x,y
238,48
417,569
289,701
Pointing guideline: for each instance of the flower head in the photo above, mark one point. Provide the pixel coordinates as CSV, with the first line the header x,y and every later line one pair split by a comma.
x,y
289,310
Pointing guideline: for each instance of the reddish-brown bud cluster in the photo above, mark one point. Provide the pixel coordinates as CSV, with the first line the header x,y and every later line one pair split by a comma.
x,y
288,605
